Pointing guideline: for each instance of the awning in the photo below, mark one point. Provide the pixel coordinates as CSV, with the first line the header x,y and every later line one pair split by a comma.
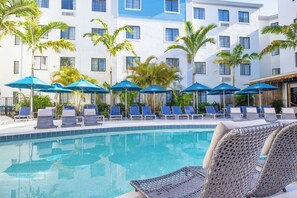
x,y
287,77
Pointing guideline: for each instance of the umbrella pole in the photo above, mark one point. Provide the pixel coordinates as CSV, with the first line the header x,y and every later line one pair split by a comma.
x,y
154,102
248,99
197,100
260,101
31,100
224,101
126,105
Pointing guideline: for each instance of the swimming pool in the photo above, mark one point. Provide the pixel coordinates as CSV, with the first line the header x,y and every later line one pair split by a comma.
x,y
98,164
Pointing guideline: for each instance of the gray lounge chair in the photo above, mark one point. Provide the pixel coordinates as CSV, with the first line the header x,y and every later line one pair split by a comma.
x,y
176,110
69,118
90,118
288,114
270,115
251,113
147,113
100,117
230,173
45,119
236,114
24,113
280,168
134,113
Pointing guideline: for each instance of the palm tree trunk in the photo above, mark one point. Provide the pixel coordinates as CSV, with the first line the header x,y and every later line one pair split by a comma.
x,y
233,75
110,80
193,81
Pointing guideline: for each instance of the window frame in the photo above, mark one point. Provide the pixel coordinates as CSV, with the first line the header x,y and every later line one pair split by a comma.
x,y
134,9
222,10
68,57
133,34
73,5
133,61
203,68
244,12
245,37
221,36
225,66
172,12
98,6
39,5
276,52
93,30
98,65
243,71
40,61
275,69
68,33
198,13
172,59
174,39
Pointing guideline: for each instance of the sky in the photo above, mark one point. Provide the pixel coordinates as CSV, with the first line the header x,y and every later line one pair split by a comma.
x,y
270,6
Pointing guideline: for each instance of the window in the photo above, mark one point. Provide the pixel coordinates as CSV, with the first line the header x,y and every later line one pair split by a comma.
x,y
16,67
224,69
224,15
171,6
130,61
98,64
68,4
40,62
199,13
274,24
67,61
17,40
43,3
135,33
245,42
224,41
172,62
99,5
65,98
68,34
95,98
200,68
245,69
15,97
202,97
99,31
275,52
243,17
133,4
171,34
275,71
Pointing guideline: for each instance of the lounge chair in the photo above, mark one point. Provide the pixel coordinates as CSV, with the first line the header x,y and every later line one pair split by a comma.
x,y
228,110
115,112
176,110
190,111
24,113
270,115
101,117
252,113
53,110
230,173
243,110
236,114
279,168
90,117
45,119
147,113
134,112
211,111
68,107
288,114
69,118
166,113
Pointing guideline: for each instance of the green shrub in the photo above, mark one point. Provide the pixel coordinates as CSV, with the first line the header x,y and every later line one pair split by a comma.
x,y
40,102
202,105
277,104
242,100
103,109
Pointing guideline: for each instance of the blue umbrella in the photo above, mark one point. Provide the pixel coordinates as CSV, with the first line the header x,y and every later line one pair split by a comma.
x,y
153,89
224,88
126,86
196,88
260,86
56,88
82,85
99,90
30,82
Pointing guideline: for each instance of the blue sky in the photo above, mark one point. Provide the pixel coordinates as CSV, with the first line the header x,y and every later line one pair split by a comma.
x,y
270,6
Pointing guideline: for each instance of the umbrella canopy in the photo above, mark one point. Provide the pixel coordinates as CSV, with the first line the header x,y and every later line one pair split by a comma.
x,y
197,87
243,92
56,88
28,83
225,87
125,85
99,90
153,89
261,86
82,85
213,93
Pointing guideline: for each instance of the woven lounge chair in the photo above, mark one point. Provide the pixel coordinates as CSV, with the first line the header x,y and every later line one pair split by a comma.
x,y
190,111
45,119
236,114
90,117
270,115
279,168
24,113
69,118
166,113
100,117
288,114
134,113
211,111
176,110
252,113
115,112
147,113
230,173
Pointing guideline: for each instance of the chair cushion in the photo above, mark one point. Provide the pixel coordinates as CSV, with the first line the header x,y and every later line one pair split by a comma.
x,y
288,110
222,129
269,110
68,112
251,110
235,110
45,112
89,112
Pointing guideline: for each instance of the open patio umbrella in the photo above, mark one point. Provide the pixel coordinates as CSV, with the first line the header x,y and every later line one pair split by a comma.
x,y
259,87
196,88
32,83
224,88
126,86
153,89
248,93
56,88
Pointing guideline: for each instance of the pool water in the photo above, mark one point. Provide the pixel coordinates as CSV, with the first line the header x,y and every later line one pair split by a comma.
x,y
93,166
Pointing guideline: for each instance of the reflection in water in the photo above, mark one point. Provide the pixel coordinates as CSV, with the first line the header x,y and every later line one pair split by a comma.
x,y
96,166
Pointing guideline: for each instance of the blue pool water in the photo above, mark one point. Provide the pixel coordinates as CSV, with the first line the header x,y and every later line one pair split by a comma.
x,y
96,165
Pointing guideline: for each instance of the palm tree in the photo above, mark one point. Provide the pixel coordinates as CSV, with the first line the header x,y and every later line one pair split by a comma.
x,y
109,40
288,31
193,41
234,59
9,8
32,34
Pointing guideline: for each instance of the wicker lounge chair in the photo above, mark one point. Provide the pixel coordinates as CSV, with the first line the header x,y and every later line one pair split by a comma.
x,y
176,110
288,114
134,113
190,111
280,168
69,118
100,117
252,113
147,113
115,112
166,113
230,173
90,117
45,119
24,113
210,110
270,115
236,114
